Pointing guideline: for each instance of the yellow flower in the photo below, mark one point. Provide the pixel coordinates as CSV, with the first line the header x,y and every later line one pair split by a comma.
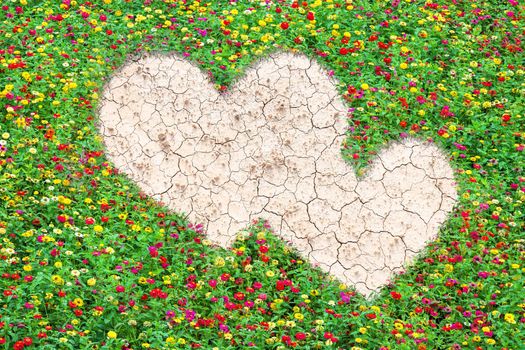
x,y
299,316
98,228
270,273
219,262
510,318
57,280
403,65
91,282
112,334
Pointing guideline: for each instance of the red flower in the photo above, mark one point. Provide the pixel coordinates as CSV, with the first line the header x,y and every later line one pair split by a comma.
x,y
78,312
27,341
153,252
310,16
300,336
404,102
396,295
382,45
284,25
279,285
120,289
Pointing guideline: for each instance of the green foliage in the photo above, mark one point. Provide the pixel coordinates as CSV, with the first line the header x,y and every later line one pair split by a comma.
x,y
87,261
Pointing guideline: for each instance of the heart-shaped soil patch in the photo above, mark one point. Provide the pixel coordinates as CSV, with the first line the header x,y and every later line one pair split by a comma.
x,y
270,148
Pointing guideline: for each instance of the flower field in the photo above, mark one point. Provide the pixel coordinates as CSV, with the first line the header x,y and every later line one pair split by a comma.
x,y
87,261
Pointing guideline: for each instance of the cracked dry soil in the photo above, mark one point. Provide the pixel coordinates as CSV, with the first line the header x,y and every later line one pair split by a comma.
x,y
270,148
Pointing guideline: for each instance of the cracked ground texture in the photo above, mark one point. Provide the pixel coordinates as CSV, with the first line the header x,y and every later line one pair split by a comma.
x,y
270,148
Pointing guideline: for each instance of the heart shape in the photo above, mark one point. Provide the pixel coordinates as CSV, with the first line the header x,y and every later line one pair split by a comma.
x,y
270,148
